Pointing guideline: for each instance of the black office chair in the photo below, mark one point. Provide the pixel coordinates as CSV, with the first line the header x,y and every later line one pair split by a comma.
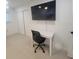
x,y
39,40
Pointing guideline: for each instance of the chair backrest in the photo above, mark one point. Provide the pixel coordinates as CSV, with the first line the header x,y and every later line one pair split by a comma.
x,y
35,33
36,36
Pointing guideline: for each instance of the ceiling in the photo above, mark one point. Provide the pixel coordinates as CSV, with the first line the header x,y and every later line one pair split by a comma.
x,y
17,3
20,3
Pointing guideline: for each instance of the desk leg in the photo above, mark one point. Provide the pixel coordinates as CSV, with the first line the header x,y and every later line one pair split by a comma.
x,y
50,47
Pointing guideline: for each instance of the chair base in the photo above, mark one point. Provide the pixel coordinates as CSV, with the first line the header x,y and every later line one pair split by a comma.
x,y
39,46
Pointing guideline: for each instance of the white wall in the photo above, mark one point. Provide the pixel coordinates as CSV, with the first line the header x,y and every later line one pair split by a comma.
x,y
12,24
62,26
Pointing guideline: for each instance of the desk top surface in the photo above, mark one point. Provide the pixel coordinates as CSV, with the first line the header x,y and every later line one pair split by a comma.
x,y
47,34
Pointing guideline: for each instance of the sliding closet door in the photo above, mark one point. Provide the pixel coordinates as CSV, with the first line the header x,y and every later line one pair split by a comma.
x,y
27,23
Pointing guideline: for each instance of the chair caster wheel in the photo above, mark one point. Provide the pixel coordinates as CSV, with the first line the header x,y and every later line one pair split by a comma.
x,y
33,45
43,51
35,51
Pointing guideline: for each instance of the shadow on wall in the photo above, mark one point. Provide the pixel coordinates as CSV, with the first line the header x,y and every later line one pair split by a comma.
x,y
58,43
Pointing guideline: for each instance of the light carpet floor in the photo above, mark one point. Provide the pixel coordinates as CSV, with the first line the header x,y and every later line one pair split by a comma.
x,y
17,47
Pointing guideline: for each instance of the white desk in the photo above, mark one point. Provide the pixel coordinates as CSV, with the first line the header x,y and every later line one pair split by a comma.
x,y
50,37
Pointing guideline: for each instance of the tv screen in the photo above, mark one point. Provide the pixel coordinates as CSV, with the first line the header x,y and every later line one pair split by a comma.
x,y
45,11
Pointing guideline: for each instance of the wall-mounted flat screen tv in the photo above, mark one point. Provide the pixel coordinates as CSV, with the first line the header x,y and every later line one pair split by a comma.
x,y
45,11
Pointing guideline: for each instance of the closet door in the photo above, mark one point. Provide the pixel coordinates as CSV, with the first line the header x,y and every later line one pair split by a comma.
x,y
20,22
27,23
